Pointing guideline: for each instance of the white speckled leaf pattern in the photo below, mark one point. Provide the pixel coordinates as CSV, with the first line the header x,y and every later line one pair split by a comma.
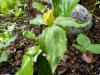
x,y
53,43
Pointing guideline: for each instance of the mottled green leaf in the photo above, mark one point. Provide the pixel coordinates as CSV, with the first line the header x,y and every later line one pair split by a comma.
x,y
4,56
68,22
28,60
43,66
83,40
53,43
38,20
27,66
28,34
94,48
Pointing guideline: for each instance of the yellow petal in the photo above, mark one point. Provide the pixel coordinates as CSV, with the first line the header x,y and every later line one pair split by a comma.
x,y
45,16
48,17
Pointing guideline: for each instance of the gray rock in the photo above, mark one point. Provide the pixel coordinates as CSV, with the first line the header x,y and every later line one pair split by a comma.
x,y
82,15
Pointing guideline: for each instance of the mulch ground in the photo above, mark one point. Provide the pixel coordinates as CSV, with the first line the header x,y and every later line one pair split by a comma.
x,y
72,62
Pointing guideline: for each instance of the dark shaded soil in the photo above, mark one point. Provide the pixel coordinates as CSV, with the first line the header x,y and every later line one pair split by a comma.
x,y
71,64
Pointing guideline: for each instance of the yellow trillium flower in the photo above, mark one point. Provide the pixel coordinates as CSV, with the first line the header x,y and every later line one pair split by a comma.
x,y
48,17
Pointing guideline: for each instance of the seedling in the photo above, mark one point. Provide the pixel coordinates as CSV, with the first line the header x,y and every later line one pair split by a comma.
x,y
86,45
6,39
9,7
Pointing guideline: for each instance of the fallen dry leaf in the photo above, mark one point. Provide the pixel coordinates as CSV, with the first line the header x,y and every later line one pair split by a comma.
x,y
87,57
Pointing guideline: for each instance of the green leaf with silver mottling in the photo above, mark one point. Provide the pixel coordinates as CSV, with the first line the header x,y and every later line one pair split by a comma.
x,y
68,22
38,20
53,42
28,61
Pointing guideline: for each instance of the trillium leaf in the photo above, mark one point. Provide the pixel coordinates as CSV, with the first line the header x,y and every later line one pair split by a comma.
x,y
94,48
53,42
27,66
27,63
68,22
42,66
38,20
83,40
28,34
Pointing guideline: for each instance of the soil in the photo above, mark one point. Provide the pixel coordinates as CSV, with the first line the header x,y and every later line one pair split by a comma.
x,y
72,62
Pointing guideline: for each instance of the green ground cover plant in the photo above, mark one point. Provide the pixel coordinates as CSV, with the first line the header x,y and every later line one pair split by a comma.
x,y
10,7
6,38
84,45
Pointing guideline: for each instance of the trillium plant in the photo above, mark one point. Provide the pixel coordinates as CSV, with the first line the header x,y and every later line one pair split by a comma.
x,y
53,41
